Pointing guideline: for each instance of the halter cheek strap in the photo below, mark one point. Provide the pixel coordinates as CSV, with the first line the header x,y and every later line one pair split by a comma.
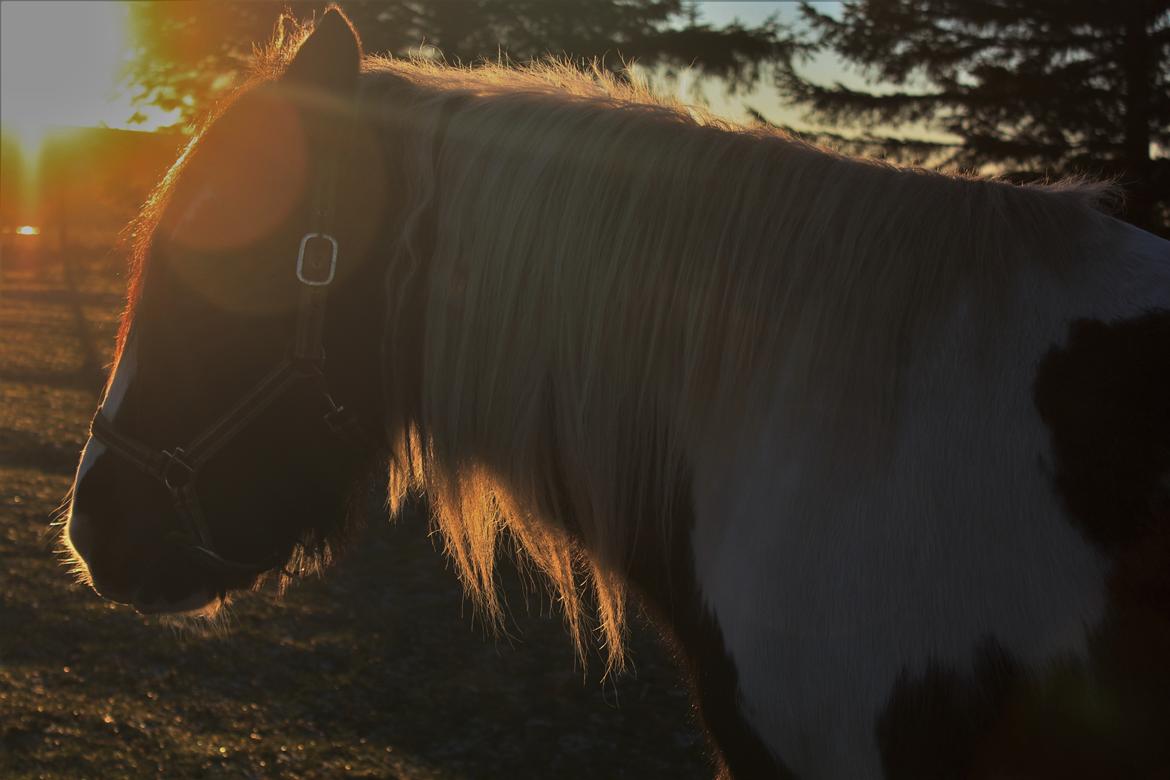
x,y
178,468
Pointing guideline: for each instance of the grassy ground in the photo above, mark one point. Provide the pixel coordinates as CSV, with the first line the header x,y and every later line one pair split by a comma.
x,y
377,670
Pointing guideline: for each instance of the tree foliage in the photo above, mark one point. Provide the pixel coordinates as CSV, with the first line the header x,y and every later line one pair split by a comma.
x,y
1036,88
1031,88
192,49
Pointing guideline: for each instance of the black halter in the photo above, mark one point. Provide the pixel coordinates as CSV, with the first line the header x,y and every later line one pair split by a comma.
x,y
178,468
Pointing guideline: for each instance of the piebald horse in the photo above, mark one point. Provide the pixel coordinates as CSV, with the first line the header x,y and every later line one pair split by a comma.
x,y
884,451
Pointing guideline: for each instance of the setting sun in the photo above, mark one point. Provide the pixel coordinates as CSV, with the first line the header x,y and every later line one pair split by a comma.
x,y
63,64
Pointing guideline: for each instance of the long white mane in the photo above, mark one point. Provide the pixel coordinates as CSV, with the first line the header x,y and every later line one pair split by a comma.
x,y
617,279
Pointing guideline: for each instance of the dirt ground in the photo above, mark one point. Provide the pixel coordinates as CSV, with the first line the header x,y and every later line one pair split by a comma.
x,y
376,670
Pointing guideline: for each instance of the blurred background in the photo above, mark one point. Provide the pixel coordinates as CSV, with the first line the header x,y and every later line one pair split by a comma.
x,y
379,671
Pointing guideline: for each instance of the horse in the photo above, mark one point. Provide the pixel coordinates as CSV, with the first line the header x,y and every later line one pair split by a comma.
x,y
883,451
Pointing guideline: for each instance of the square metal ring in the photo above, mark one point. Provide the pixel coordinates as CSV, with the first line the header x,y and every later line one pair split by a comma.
x,y
177,473
332,259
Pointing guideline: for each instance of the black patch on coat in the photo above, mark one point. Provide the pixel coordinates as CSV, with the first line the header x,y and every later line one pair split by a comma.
x,y
1001,720
1066,721
671,595
1105,398
933,724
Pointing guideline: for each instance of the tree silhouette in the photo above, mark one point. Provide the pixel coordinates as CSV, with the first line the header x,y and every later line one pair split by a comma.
x,y
192,51
1037,88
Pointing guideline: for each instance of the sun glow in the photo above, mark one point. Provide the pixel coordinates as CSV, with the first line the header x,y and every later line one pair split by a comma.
x,y
28,230
63,64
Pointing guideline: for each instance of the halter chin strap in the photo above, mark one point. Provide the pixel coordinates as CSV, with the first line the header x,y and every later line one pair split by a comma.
x,y
178,468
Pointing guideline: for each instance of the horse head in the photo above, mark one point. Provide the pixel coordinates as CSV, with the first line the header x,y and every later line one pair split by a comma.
x,y
224,445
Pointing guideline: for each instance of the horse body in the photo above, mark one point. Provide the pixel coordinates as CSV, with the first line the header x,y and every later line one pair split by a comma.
x,y
881,572
821,415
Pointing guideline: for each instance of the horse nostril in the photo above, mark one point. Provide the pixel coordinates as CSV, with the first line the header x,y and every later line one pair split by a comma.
x,y
83,539
81,534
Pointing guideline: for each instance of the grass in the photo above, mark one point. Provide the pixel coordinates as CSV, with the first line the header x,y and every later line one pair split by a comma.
x,y
376,670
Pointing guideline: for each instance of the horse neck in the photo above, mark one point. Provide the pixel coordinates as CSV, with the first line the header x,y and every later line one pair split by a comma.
x,y
507,373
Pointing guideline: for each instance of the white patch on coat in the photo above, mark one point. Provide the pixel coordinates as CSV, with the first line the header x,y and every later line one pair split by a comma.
x,y
829,582
124,374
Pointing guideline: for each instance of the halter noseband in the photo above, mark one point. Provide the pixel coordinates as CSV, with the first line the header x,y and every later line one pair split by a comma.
x,y
178,468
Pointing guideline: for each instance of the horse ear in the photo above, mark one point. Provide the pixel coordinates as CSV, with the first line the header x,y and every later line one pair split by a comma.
x,y
330,58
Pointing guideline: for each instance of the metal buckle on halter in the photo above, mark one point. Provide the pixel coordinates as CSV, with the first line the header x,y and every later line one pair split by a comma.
x,y
337,417
318,274
176,473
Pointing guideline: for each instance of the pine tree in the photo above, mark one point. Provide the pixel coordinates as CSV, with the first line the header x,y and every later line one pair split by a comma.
x,y
1032,88
190,50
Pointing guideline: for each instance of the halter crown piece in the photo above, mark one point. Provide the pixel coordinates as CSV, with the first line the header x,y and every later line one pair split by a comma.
x,y
178,468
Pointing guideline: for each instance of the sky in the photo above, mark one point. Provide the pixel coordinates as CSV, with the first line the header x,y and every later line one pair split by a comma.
x,y
763,98
720,13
